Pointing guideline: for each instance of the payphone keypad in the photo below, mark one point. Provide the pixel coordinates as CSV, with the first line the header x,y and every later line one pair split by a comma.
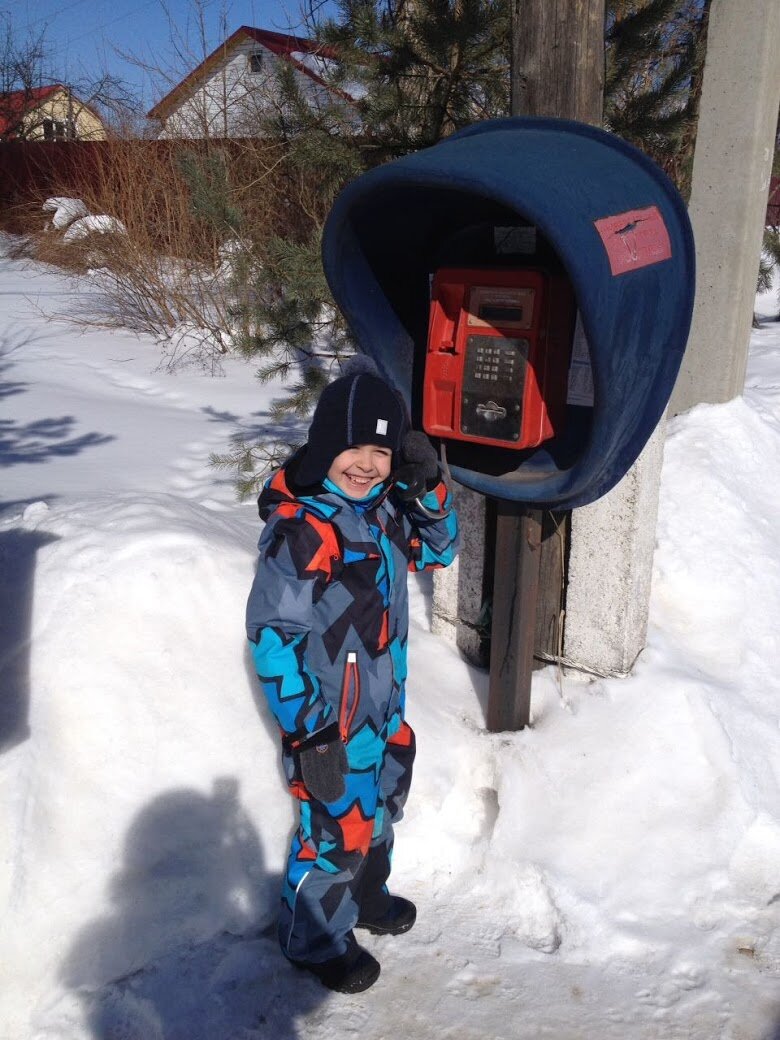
x,y
493,384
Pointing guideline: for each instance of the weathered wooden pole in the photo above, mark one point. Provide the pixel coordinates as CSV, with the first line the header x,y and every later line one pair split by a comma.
x,y
513,628
558,59
557,69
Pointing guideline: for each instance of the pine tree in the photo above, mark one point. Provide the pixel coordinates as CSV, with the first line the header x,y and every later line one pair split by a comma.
x,y
654,63
427,67
407,74
211,197
769,262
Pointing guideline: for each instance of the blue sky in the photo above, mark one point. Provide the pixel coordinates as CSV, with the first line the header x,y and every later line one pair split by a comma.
x,y
85,38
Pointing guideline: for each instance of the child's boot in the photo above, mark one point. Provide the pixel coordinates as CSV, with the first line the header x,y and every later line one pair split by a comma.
x,y
397,918
380,912
352,972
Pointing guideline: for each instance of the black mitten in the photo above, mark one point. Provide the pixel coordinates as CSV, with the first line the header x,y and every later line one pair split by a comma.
x,y
419,469
324,765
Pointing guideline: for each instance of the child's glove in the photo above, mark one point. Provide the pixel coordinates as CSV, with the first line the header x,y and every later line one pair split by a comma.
x,y
419,469
323,762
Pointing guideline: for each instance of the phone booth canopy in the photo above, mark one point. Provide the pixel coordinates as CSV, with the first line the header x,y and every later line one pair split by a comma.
x,y
528,285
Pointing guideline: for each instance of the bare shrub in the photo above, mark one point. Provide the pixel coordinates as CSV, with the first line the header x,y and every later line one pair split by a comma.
x,y
175,271
29,238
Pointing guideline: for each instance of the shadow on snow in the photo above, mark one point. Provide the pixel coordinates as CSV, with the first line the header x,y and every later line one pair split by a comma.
x,y
188,950
40,439
43,439
18,548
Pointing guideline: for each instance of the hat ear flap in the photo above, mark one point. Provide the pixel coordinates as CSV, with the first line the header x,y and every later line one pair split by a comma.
x,y
305,469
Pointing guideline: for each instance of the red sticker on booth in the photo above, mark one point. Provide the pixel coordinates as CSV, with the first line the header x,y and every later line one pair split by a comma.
x,y
634,239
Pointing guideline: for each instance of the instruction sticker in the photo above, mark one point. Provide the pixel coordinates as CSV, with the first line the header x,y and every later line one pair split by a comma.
x,y
634,239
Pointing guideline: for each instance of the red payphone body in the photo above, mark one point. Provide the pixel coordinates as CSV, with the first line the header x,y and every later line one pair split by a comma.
x,y
499,345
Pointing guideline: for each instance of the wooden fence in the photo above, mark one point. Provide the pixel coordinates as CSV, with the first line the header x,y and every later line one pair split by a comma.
x,y
31,170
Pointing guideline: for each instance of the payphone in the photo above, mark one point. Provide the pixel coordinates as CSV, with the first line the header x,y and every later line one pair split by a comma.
x,y
498,353
527,284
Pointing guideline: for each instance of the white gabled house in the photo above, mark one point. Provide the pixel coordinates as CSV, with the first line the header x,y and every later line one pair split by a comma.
x,y
228,92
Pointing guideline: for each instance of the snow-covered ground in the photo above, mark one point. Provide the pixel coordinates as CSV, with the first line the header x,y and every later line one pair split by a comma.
x,y
611,872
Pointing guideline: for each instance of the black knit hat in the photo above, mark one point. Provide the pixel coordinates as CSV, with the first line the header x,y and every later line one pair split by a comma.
x,y
358,408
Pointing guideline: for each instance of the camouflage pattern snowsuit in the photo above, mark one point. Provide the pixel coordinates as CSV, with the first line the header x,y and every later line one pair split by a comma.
x,y
327,620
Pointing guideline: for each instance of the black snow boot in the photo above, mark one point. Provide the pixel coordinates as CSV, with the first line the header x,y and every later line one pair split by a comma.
x,y
353,972
398,917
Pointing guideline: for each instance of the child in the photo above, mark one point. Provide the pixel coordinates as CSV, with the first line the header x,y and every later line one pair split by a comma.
x,y
327,620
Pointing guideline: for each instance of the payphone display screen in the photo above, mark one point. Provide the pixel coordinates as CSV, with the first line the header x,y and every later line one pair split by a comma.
x,y
493,384
506,307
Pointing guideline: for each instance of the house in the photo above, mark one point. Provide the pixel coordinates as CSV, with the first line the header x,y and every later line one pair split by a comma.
x,y
50,113
236,84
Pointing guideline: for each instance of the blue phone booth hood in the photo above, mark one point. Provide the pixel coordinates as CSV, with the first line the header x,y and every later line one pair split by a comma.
x,y
586,192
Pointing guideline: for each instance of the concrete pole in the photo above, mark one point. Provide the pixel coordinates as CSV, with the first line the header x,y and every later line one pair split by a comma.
x,y
458,589
612,541
731,173
610,568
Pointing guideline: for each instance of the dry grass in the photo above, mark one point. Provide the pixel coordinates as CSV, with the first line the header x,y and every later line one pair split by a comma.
x,y
168,270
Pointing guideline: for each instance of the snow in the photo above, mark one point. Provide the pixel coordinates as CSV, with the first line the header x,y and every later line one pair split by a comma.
x,y
65,210
92,224
612,871
326,69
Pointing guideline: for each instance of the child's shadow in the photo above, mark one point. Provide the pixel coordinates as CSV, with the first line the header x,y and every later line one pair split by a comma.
x,y
188,950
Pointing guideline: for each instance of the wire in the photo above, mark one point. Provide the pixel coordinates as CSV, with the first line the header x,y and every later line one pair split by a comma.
x,y
51,16
55,14
119,18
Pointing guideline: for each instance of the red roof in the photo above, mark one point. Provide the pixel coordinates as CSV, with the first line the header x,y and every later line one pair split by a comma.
x,y
281,44
15,105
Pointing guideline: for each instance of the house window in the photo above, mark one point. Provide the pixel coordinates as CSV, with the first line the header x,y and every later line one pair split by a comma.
x,y
256,62
59,130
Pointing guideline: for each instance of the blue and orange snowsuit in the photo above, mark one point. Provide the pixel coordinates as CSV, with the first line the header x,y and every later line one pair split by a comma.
x,y
327,620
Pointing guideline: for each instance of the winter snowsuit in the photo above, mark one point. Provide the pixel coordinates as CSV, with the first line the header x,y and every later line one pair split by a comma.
x,y
327,620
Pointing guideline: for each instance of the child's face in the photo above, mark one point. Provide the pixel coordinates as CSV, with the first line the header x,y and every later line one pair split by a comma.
x,y
358,470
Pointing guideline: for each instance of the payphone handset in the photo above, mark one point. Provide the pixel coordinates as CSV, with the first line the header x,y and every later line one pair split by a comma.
x,y
499,344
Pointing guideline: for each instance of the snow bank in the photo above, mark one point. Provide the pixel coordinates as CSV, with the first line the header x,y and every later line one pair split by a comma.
x,y
65,210
73,217
91,225
128,825
149,818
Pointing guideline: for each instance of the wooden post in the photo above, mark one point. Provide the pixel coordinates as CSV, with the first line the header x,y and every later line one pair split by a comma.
x,y
557,69
515,587
558,59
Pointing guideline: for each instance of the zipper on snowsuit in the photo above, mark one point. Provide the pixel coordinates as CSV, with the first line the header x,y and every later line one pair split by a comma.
x,y
348,709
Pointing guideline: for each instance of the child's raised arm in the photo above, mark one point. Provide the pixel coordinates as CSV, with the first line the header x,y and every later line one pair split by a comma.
x,y
433,543
434,536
